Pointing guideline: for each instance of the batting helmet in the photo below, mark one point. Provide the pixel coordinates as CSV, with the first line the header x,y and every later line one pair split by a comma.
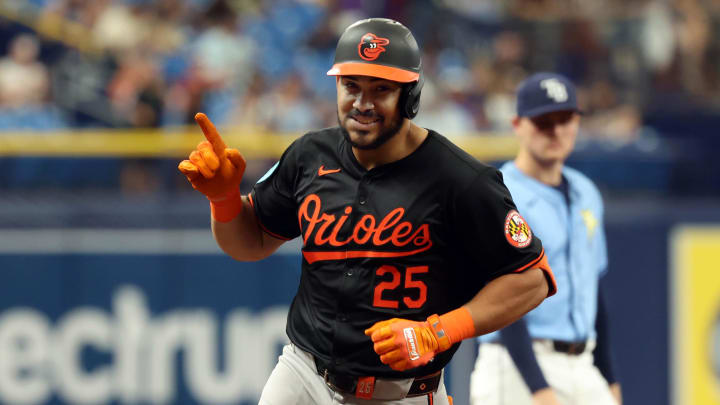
x,y
384,48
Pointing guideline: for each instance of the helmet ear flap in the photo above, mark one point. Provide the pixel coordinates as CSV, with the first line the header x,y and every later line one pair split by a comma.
x,y
410,97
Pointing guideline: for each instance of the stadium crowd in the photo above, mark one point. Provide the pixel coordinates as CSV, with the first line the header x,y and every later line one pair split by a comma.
x,y
143,63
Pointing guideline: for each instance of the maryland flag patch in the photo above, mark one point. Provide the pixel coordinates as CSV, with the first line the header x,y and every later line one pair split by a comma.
x,y
517,231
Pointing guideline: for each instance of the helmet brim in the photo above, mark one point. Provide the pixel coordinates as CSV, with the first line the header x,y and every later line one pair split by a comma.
x,y
368,69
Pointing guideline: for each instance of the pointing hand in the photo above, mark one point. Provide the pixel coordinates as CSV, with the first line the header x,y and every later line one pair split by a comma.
x,y
212,168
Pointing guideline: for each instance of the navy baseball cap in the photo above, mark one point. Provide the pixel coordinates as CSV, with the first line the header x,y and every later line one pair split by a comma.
x,y
545,92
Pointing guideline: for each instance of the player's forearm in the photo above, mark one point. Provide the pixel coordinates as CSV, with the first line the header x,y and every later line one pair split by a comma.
x,y
502,302
603,356
506,299
518,342
404,344
242,238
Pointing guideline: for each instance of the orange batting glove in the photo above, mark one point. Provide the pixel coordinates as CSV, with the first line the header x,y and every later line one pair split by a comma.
x,y
404,344
216,171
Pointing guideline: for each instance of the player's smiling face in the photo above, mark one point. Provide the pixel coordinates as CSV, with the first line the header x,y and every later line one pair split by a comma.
x,y
368,110
549,137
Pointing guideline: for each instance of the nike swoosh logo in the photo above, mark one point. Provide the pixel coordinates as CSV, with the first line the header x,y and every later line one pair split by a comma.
x,y
322,171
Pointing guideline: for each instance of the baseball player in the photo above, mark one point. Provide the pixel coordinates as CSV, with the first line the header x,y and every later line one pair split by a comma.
x,y
409,244
547,356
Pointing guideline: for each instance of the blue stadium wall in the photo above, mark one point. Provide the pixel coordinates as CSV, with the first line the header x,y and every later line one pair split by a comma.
x,y
134,316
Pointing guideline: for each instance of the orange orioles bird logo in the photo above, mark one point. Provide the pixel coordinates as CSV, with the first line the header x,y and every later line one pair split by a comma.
x,y
517,231
371,46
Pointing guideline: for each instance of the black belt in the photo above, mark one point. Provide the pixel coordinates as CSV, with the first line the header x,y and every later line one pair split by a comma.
x,y
348,384
573,348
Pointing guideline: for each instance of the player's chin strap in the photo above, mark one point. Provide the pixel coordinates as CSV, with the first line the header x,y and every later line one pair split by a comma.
x,y
403,344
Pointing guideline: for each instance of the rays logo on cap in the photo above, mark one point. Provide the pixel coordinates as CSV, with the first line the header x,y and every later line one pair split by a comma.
x,y
517,231
371,46
555,89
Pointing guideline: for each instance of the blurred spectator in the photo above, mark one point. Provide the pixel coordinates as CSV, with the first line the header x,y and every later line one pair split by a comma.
x,y
83,12
442,106
23,79
642,67
656,37
220,65
508,67
123,25
262,62
222,53
136,91
288,107
693,33
608,116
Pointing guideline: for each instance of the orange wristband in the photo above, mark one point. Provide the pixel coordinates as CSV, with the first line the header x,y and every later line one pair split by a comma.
x,y
228,208
452,327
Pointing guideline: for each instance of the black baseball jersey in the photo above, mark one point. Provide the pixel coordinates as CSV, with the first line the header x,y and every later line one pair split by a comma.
x,y
408,239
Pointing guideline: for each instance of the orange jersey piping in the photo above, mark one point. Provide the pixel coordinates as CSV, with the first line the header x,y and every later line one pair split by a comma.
x,y
541,263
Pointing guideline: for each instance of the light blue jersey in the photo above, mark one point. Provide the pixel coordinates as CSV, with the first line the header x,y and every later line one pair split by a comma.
x,y
574,243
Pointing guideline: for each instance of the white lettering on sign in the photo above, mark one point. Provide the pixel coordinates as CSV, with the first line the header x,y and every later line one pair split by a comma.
x,y
39,359
24,354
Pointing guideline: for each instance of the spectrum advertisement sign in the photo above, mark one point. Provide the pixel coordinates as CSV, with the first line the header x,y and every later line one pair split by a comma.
x,y
136,317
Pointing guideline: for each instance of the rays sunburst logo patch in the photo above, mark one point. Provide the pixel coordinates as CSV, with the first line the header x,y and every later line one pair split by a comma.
x,y
517,231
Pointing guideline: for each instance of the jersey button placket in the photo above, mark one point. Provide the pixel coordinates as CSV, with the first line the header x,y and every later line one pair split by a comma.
x,y
362,190
342,317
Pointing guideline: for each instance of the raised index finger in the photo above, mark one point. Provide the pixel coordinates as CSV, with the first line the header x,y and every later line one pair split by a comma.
x,y
211,134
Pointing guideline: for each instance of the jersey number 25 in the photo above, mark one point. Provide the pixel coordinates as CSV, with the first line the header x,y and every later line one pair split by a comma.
x,y
378,300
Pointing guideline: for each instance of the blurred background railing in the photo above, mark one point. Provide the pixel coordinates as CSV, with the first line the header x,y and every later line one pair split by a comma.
x,y
96,106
